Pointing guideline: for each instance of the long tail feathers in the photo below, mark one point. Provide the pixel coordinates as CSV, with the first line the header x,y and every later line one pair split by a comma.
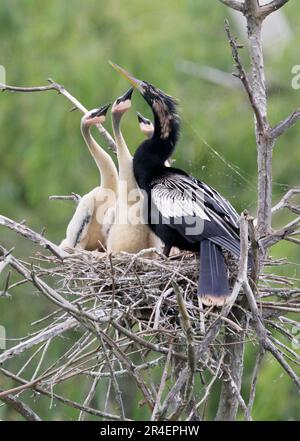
x,y
213,285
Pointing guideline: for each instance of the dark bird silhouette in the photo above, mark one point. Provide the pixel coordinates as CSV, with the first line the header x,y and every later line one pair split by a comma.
x,y
181,210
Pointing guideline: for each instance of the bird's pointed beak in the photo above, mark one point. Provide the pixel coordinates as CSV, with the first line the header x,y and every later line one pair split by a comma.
x,y
102,111
127,95
141,118
137,84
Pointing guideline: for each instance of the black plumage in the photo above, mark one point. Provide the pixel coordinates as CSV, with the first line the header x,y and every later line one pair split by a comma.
x,y
181,210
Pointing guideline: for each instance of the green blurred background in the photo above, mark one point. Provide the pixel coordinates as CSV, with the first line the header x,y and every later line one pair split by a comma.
x,y
42,152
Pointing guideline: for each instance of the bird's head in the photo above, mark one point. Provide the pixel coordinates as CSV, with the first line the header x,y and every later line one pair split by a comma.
x,y
95,116
164,107
146,125
123,103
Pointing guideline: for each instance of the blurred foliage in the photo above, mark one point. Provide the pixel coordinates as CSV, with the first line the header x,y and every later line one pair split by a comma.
x,y
42,152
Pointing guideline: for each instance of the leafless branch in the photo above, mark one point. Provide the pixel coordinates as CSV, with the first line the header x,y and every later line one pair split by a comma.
x,y
280,234
254,379
72,197
63,400
273,6
233,4
264,338
33,236
285,124
20,407
62,91
241,73
285,201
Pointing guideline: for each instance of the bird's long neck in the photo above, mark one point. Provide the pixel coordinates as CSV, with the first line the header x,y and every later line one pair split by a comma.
x,y
151,155
106,166
149,159
124,155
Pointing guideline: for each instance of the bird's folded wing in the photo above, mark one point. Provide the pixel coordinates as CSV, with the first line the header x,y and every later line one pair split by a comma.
x,y
176,195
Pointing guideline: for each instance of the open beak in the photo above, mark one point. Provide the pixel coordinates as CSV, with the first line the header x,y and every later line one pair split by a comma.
x,y
102,111
142,119
127,95
138,84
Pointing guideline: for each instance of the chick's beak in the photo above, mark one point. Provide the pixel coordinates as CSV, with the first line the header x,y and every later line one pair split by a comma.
x,y
127,95
138,84
102,111
142,119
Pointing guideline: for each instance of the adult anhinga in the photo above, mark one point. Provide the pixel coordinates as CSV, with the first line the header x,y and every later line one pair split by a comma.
x,y
87,228
128,232
182,210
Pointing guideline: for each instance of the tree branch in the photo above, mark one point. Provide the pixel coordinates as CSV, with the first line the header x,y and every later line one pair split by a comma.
x,y
62,91
33,236
285,201
72,197
254,378
273,6
233,4
285,124
280,234
20,407
241,74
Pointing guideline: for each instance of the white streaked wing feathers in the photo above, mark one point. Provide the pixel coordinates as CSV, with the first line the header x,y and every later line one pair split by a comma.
x,y
177,196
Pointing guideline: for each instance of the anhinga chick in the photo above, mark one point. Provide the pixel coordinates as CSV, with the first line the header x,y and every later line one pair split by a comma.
x,y
87,228
146,126
183,211
128,232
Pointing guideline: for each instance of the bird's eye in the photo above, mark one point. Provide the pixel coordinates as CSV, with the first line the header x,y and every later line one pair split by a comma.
x,y
118,100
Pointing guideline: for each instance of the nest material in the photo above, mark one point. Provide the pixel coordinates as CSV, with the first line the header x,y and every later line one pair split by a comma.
x,y
133,315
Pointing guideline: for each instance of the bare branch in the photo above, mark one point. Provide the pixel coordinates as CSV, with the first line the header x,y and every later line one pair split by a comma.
x,y
20,407
285,200
63,400
233,4
280,234
33,236
273,6
62,91
72,197
156,410
258,361
285,124
264,338
244,78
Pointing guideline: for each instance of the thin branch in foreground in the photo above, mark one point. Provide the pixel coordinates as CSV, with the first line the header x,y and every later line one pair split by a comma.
x,y
33,236
241,73
71,197
280,234
62,91
233,4
285,124
62,399
264,338
273,6
285,200
258,362
20,407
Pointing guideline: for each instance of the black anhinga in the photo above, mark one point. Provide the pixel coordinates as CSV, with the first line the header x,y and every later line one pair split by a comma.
x,y
183,211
